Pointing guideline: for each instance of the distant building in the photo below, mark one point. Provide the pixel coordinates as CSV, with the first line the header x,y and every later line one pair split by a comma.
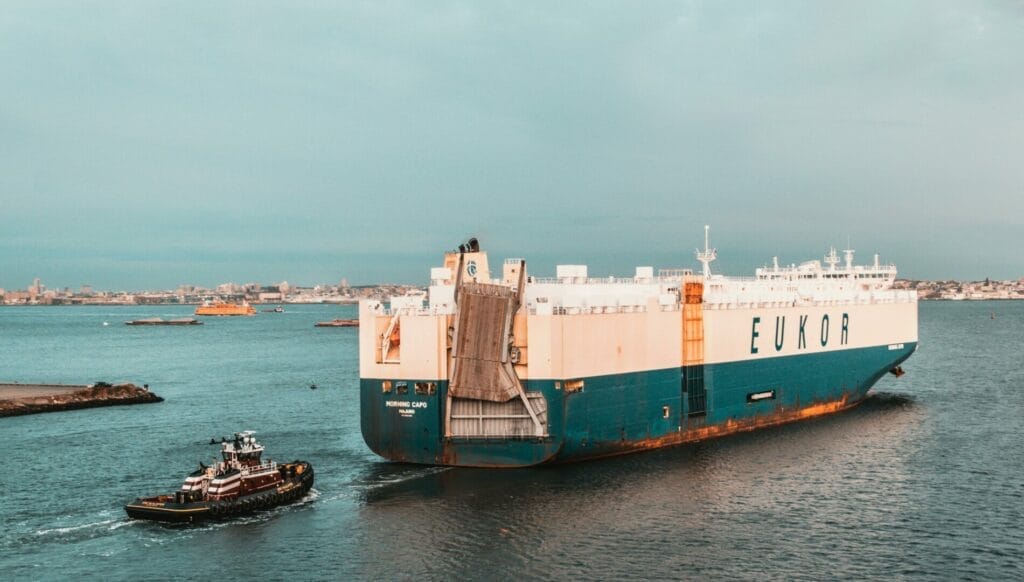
x,y
15,297
35,289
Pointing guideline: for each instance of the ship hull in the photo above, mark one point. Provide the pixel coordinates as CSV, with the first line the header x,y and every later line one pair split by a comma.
x,y
635,411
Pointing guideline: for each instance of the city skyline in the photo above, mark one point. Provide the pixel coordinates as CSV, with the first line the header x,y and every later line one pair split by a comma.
x,y
39,287
146,146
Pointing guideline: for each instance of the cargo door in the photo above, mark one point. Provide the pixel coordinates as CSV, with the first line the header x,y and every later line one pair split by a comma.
x,y
481,370
694,393
485,396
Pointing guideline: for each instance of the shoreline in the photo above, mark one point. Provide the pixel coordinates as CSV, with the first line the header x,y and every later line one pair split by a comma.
x,y
21,399
116,304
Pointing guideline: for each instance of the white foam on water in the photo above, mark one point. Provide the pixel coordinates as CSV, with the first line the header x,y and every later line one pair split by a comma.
x,y
124,523
417,473
71,528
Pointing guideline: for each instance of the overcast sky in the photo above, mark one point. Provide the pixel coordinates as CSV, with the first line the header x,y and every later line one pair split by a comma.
x,y
143,145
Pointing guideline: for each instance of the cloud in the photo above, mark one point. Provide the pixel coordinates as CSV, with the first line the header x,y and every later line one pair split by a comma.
x,y
242,138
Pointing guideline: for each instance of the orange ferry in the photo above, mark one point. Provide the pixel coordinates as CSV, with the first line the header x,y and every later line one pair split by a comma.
x,y
223,308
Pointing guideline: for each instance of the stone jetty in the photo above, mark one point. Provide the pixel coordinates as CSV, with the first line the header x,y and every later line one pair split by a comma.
x,y
18,399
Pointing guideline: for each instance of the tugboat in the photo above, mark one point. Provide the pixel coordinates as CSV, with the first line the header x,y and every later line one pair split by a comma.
x,y
238,485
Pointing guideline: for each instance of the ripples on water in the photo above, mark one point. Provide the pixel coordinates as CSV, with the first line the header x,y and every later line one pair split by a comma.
x,y
922,480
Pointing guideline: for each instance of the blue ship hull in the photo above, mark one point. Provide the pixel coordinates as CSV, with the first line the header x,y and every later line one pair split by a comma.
x,y
624,413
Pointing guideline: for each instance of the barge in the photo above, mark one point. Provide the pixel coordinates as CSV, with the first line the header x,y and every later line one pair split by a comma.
x,y
160,321
338,323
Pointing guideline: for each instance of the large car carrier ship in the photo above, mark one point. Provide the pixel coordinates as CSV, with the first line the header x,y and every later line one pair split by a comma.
x,y
521,370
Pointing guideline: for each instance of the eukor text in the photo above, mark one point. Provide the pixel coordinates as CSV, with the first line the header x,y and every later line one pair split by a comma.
x,y
803,330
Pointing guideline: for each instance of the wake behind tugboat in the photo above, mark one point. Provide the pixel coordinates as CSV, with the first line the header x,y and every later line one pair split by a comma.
x,y
238,485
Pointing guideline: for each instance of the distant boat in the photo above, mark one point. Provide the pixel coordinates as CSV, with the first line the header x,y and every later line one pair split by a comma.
x,y
277,309
159,321
223,308
338,323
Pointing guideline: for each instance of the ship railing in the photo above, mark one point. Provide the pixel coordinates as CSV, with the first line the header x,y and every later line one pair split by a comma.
x,y
739,302
440,310
599,309
264,467
607,280
673,274
730,279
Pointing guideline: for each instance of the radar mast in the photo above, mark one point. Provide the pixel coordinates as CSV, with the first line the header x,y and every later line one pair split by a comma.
x,y
707,255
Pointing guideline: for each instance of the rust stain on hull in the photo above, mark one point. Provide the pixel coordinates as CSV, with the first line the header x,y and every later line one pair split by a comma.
x,y
726,428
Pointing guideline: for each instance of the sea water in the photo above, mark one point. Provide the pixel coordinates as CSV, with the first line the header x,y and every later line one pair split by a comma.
x,y
924,480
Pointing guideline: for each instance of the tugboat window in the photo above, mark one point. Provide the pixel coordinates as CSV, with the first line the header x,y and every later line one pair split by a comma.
x,y
402,388
426,388
385,386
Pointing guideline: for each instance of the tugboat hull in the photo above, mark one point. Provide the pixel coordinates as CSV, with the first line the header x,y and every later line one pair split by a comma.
x,y
167,509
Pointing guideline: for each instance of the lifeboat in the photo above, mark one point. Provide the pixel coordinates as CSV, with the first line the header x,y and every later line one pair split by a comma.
x,y
239,484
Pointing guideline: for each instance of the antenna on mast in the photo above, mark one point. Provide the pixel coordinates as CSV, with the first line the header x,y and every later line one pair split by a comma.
x,y
832,259
708,254
848,254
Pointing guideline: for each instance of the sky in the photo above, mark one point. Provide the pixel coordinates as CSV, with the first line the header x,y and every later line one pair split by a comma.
x,y
145,144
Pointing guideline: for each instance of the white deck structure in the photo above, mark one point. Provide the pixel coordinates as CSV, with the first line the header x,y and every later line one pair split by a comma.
x,y
571,291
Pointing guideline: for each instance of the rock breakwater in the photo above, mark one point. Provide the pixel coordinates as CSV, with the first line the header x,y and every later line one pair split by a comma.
x,y
19,399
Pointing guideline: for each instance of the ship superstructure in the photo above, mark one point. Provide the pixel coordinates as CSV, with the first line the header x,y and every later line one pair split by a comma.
x,y
520,370
241,471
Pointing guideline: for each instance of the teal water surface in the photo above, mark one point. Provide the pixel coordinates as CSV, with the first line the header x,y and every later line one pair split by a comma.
x,y
922,481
